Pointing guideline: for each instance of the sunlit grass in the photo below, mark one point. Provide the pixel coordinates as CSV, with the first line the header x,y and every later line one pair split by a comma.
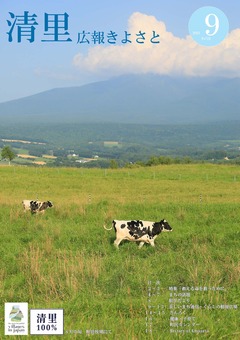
x,y
66,259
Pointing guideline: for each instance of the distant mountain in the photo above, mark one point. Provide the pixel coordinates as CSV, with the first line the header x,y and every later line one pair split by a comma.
x,y
148,99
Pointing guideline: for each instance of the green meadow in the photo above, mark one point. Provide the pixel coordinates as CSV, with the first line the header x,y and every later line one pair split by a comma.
x,y
186,287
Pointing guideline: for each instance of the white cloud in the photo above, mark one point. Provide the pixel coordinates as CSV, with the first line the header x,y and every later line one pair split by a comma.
x,y
172,55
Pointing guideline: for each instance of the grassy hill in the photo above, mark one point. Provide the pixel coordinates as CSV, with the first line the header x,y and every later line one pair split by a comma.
x,y
122,142
66,259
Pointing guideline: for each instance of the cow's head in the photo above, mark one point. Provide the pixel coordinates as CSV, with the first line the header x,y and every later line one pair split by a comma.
x,y
49,203
165,226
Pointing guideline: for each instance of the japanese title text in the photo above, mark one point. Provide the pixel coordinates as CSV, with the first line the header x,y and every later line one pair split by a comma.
x,y
56,29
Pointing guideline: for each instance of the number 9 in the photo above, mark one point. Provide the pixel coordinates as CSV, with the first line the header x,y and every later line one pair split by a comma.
x,y
215,24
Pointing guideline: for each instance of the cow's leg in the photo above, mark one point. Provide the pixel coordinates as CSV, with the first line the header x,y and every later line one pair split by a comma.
x,y
117,242
141,244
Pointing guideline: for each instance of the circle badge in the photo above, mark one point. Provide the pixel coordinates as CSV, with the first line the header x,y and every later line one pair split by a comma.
x,y
208,26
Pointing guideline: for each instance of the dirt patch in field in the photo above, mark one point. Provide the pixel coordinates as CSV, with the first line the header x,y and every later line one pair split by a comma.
x,y
39,163
26,156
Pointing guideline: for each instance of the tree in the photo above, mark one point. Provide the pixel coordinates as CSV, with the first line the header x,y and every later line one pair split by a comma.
x,y
7,153
113,164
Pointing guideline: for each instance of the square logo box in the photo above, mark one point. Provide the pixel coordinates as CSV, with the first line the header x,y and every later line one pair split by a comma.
x,y
16,318
46,322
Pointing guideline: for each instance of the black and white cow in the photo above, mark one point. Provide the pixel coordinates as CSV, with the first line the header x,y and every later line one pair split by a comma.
x,y
138,231
36,206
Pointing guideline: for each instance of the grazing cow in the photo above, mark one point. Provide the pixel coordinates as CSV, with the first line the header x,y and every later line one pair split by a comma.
x,y
36,206
138,231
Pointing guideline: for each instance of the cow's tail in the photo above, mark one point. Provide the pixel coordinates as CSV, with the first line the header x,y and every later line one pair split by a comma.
x,y
107,228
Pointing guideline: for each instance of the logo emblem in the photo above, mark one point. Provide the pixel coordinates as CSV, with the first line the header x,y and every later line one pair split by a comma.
x,y
208,26
16,318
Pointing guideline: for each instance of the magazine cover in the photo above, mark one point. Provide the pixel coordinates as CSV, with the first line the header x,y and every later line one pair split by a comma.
x,y
119,169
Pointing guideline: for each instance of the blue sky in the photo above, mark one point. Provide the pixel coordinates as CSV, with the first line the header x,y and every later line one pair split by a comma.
x,y
29,68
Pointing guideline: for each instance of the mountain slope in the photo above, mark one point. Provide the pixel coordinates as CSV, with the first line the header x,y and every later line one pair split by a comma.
x,y
148,99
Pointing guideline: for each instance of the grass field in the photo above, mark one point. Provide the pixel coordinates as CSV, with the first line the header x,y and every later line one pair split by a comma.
x,y
186,287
